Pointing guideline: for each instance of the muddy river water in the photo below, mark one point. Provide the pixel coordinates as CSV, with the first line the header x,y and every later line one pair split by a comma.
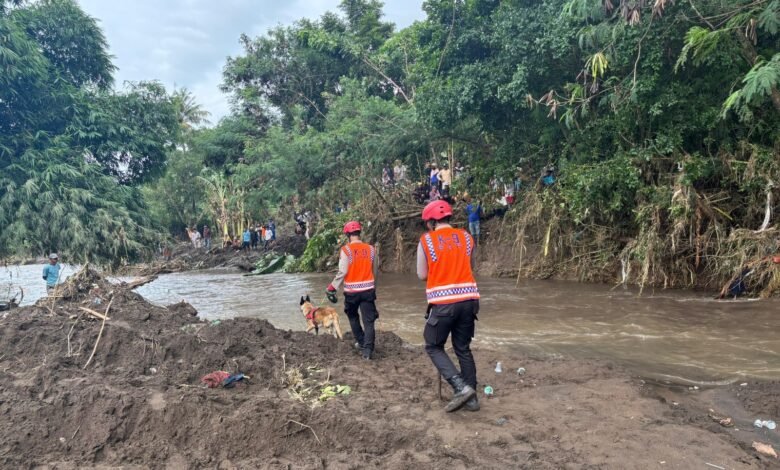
x,y
683,337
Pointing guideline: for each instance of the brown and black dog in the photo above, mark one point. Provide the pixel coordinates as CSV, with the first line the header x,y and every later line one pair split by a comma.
x,y
326,317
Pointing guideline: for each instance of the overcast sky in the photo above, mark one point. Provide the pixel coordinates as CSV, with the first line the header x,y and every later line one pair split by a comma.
x,y
185,42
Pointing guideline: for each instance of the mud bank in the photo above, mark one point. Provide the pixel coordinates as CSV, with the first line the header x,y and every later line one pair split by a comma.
x,y
186,258
140,403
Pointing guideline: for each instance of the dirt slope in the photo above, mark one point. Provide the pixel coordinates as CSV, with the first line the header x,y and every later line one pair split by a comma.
x,y
140,404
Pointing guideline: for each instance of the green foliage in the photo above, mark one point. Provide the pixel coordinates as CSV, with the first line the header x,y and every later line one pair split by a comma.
x,y
129,134
272,262
769,18
67,140
70,40
178,198
54,201
332,391
189,113
626,98
758,85
603,193
321,246
701,44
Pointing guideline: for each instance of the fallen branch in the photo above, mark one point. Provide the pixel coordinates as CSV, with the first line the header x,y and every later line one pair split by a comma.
x,y
140,282
768,212
306,426
103,325
410,215
95,314
71,332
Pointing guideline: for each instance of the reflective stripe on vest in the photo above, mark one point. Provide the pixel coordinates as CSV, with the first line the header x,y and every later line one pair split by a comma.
x,y
360,273
450,278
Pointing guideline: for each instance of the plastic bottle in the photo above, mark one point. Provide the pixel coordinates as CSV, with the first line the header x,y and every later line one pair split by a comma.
x,y
498,367
769,424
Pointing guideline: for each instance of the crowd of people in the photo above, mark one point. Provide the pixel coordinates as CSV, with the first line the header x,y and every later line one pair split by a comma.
x,y
395,175
251,238
437,184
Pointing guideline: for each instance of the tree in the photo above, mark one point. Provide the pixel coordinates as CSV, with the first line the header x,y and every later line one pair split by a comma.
x,y
67,139
190,113
128,133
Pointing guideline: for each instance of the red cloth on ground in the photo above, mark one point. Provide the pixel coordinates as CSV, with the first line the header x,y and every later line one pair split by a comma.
x,y
215,379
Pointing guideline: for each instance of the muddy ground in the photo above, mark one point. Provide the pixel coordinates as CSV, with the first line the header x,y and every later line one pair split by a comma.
x,y
140,402
186,258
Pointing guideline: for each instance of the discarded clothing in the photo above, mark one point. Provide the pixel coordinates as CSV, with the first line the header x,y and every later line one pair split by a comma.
x,y
215,379
231,381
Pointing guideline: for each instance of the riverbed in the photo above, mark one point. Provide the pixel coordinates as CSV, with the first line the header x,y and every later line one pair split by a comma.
x,y
677,336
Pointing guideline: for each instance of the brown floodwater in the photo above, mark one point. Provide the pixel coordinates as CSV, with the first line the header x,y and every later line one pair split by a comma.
x,y
680,336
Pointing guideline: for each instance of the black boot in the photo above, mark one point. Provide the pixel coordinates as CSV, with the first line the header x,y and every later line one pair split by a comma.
x,y
472,404
462,393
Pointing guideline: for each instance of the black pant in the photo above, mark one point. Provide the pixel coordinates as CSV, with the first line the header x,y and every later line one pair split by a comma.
x,y
458,319
364,301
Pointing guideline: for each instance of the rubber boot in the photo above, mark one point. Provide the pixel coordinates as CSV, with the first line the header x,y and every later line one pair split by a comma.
x,y
472,404
462,393
368,354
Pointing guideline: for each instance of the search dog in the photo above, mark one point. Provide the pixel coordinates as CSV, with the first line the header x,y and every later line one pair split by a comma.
x,y
316,317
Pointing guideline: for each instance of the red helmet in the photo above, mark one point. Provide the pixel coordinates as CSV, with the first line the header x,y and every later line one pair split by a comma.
x,y
436,210
352,226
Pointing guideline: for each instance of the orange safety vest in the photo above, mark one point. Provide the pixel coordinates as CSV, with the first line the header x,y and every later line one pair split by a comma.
x,y
360,273
450,279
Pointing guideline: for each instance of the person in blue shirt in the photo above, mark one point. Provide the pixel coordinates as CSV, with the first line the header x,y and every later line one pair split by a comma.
x,y
548,175
51,272
247,239
272,228
474,211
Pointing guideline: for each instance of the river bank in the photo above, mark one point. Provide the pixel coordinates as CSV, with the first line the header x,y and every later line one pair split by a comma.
x,y
139,403
184,257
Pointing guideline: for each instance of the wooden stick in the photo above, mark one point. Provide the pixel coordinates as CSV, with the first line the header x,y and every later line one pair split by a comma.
x,y
306,426
103,325
140,282
439,375
56,289
95,314
71,332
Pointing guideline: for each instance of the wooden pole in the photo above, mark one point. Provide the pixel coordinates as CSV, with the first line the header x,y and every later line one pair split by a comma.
x,y
103,325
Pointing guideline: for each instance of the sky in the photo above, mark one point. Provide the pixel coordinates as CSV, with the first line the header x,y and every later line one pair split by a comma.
x,y
184,43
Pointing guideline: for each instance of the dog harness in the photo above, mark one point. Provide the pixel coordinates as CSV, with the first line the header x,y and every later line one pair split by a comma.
x,y
312,312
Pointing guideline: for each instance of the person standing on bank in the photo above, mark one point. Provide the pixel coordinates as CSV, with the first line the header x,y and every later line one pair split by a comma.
x,y
358,263
51,272
444,257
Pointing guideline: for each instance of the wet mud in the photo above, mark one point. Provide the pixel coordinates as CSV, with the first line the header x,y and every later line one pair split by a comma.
x,y
184,257
140,404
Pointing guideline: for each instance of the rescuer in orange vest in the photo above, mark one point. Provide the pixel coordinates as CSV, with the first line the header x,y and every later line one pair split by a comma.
x,y
357,270
444,260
